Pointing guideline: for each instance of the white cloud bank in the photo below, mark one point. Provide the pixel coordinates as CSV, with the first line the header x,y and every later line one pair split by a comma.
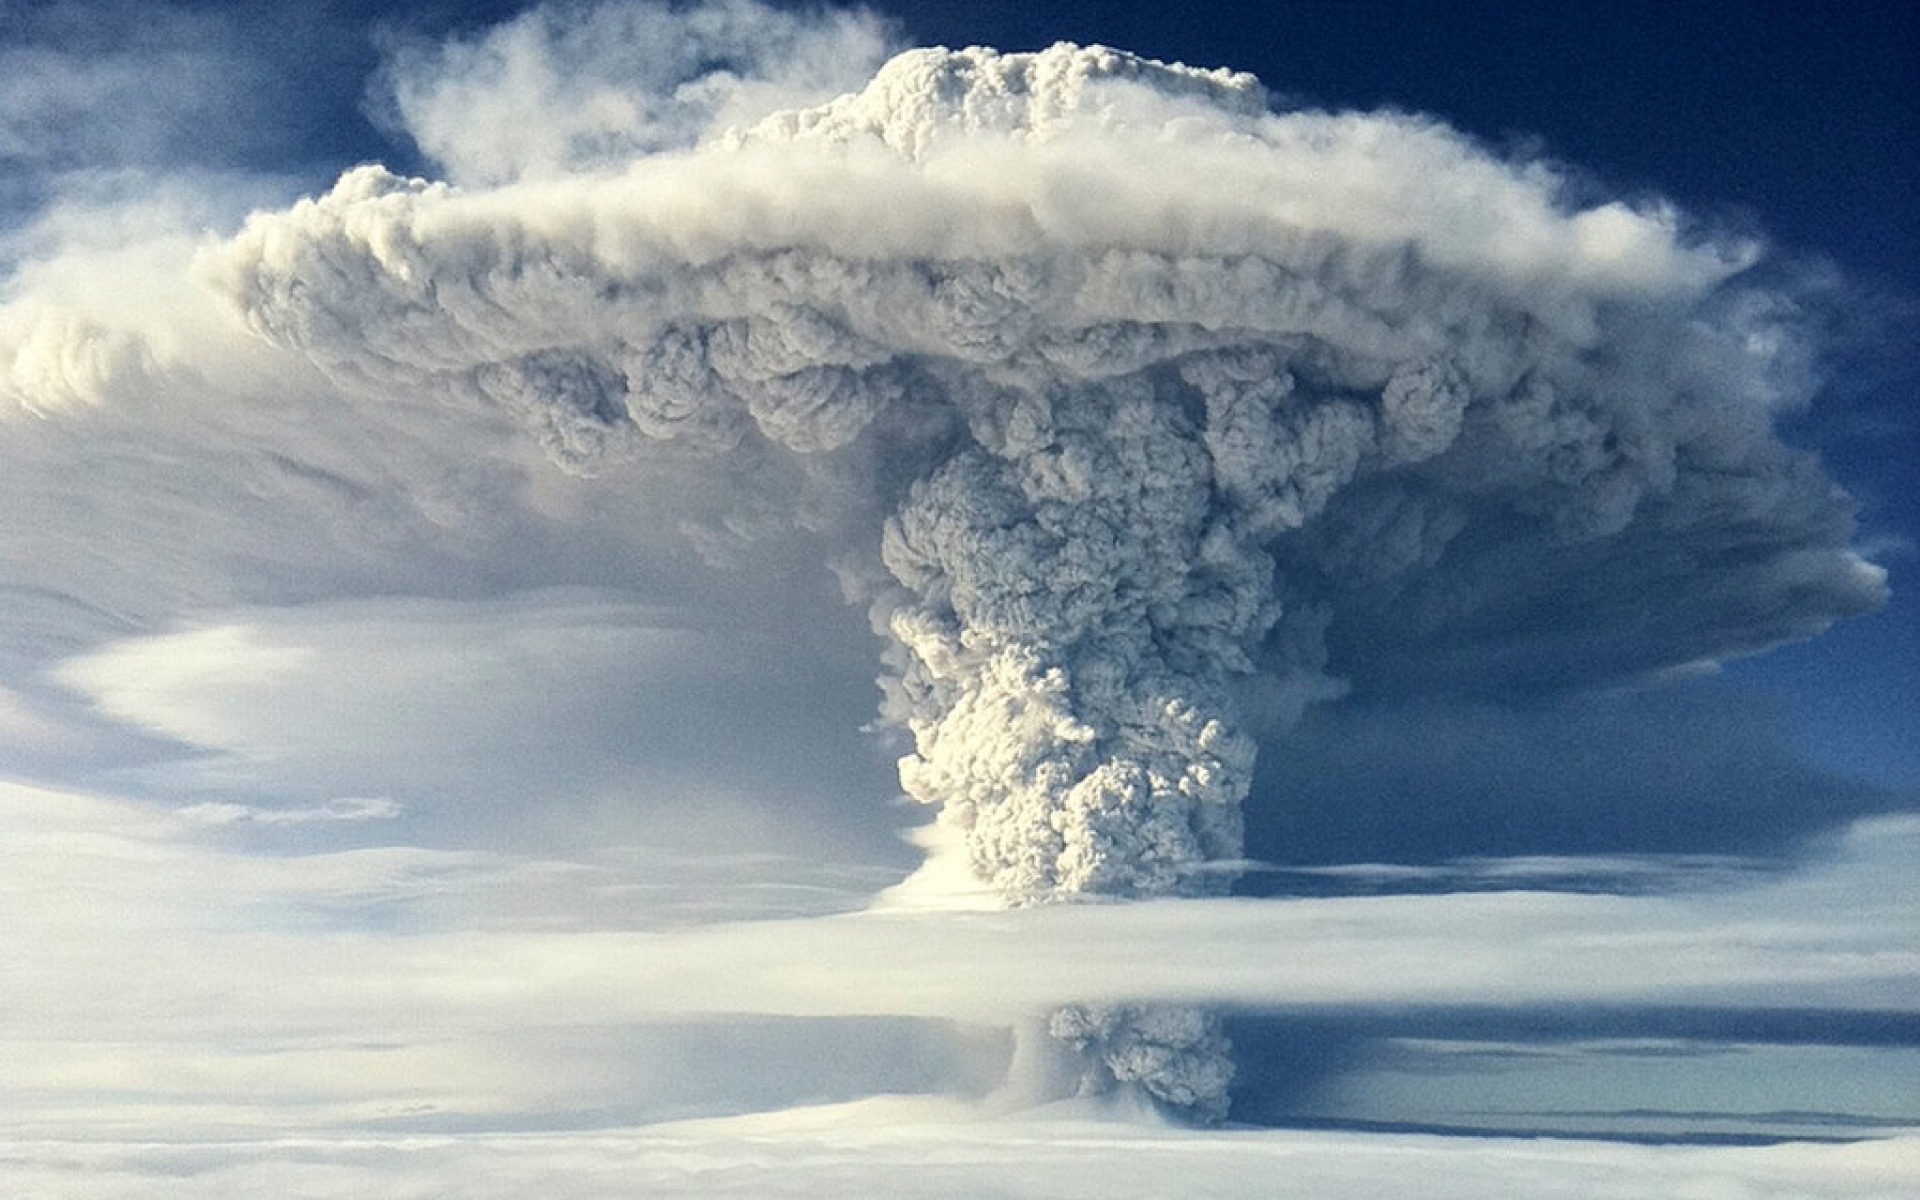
x,y
374,1018
936,1153
278,946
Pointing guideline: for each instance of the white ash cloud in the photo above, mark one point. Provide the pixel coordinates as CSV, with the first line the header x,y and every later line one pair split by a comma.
x,y
1175,1053
1113,391
1138,414
564,89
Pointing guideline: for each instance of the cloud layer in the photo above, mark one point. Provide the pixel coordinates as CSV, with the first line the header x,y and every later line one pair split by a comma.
x,y
394,1015
459,570
924,1154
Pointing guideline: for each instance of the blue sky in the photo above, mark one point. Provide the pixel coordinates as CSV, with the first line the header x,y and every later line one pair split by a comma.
x,y
439,622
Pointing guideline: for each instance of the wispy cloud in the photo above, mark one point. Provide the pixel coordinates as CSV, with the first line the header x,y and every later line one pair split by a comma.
x,y
352,808
560,90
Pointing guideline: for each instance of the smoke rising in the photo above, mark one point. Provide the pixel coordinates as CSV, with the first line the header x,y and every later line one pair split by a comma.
x,y
565,89
1139,416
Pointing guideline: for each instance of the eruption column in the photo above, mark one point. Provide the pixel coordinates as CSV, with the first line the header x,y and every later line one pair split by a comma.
x,y
1165,414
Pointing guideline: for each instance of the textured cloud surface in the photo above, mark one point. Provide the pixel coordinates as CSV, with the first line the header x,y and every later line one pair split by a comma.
x,y
468,572
1140,392
1162,412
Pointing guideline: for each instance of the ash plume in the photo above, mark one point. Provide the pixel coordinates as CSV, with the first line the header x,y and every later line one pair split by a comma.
x,y
1138,415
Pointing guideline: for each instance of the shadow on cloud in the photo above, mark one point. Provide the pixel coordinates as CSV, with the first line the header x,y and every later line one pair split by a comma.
x,y
1697,769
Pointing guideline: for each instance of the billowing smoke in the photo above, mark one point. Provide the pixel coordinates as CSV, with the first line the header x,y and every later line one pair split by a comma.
x,y
1140,416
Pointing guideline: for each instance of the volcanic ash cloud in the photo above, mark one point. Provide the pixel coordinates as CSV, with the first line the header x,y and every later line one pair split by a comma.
x,y
1139,414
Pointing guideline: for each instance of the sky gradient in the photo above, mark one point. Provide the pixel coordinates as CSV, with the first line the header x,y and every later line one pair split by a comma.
x,y
681,634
